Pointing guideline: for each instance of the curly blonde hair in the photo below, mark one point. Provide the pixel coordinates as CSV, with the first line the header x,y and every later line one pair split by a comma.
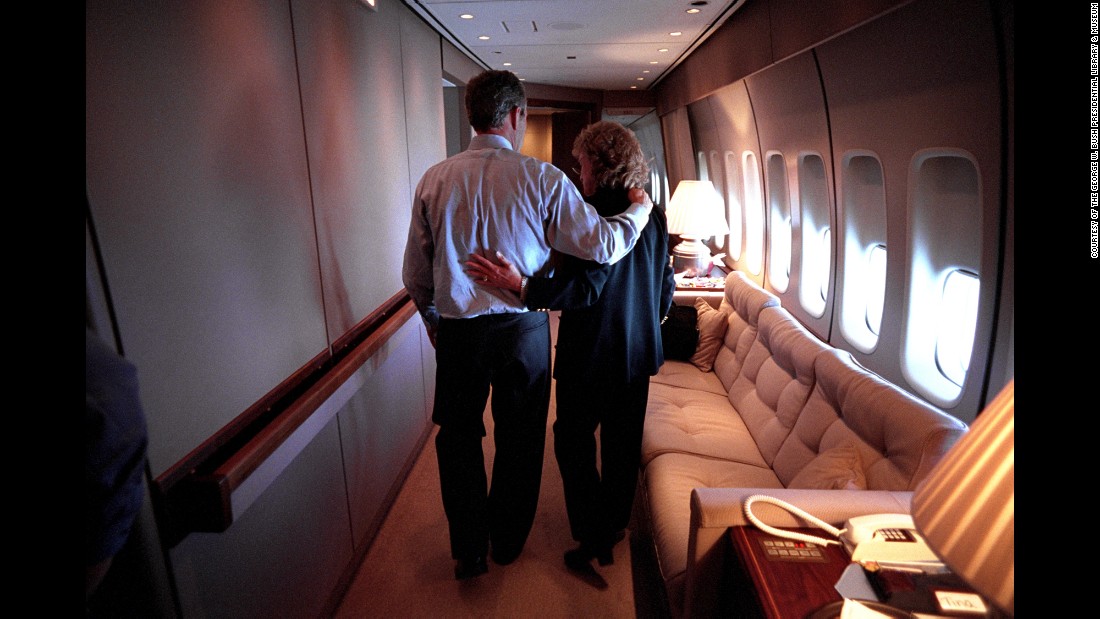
x,y
614,153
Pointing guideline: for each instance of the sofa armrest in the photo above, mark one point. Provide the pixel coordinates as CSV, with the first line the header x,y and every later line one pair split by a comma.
x,y
715,510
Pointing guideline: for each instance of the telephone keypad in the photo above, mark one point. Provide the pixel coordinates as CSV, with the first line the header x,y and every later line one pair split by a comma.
x,y
790,550
896,535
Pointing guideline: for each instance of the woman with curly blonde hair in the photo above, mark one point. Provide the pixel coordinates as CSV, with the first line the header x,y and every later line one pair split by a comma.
x,y
615,156
609,345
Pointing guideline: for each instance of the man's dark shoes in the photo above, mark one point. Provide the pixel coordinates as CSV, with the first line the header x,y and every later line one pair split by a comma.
x,y
577,560
579,557
470,567
503,555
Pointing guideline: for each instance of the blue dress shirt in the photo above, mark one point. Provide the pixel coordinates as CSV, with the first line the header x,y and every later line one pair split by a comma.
x,y
491,198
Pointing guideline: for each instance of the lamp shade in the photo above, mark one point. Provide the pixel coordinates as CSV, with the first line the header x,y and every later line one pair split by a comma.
x,y
966,507
695,211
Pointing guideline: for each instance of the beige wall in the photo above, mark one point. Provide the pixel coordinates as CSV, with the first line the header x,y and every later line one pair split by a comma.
x,y
239,253
539,140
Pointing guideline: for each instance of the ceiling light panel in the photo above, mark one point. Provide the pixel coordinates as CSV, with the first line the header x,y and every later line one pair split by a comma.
x,y
612,38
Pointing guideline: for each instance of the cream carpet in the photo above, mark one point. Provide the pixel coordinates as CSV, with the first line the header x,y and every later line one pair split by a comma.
x,y
408,571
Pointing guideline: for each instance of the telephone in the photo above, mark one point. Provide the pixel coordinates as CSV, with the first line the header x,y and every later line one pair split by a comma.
x,y
885,538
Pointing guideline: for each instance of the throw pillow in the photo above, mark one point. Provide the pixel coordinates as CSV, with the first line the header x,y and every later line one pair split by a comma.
x,y
839,468
712,329
679,334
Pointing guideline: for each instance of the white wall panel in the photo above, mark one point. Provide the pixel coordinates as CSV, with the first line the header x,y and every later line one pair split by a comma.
x,y
648,131
380,427
249,180
423,82
791,120
680,155
736,128
284,556
351,74
198,187
923,77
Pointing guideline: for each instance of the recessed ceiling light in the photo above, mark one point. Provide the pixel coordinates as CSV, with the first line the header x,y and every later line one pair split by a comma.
x,y
507,64
641,79
663,49
633,87
675,34
692,11
645,71
468,16
652,62
484,37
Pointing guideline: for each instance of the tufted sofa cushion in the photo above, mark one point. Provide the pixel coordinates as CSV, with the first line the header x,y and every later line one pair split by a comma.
x,y
689,410
743,301
899,437
698,423
838,468
776,379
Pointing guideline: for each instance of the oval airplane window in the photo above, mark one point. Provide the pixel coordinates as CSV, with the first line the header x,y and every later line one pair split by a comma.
x,y
958,320
944,254
816,256
861,280
779,222
754,213
734,198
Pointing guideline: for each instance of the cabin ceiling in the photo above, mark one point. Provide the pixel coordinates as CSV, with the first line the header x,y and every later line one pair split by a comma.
x,y
597,44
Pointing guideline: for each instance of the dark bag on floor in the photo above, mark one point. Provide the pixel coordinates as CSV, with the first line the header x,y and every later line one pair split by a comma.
x,y
680,332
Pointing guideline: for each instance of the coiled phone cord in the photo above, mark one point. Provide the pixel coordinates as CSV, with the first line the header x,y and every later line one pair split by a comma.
x,y
812,539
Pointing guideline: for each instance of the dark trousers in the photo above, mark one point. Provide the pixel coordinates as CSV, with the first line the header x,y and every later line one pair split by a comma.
x,y
599,501
509,353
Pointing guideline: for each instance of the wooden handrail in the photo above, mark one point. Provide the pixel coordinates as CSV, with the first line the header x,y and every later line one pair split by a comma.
x,y
196,493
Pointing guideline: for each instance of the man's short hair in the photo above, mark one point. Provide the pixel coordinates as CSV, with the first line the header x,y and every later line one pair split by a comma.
x,y
491,96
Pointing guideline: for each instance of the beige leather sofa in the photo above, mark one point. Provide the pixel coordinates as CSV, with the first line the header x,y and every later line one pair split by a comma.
x,y
780,413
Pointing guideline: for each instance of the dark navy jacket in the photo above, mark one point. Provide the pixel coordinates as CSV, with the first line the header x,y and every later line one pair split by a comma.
x,y
610,328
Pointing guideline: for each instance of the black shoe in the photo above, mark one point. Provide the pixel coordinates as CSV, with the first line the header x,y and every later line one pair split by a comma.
x,y
470,568
602,552
579,558
604,556
504,555
616,537
588,575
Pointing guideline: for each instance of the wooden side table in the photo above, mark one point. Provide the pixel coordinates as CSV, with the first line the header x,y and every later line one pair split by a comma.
x,y
779,578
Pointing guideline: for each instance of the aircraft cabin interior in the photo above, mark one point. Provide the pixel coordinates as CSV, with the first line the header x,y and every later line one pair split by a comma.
x,y
838,181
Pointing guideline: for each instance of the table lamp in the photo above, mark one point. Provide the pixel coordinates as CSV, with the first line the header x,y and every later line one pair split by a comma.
x,y
966,507
695,214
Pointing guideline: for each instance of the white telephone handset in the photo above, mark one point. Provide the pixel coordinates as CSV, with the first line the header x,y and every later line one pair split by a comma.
x,y
886,538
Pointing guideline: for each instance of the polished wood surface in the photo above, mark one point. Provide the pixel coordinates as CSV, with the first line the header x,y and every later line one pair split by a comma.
x,y
783,589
